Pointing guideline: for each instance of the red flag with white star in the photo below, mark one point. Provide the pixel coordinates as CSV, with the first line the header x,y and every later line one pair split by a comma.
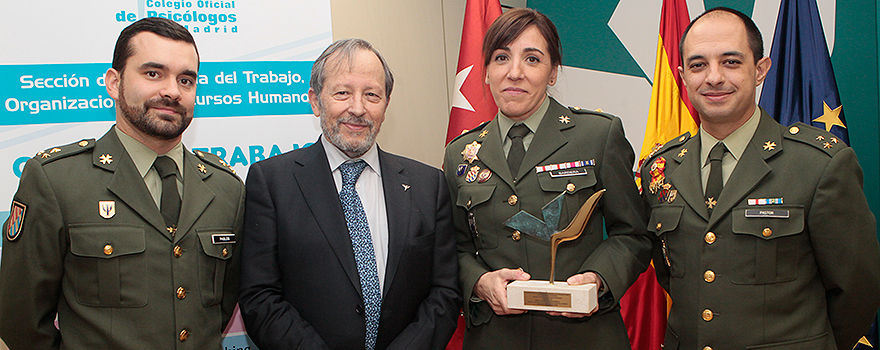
x,y
472,102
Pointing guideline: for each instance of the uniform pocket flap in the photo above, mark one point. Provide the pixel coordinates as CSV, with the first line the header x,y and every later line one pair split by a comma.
x,y
106,241
217,242
664,218
585,177
470,195
770,222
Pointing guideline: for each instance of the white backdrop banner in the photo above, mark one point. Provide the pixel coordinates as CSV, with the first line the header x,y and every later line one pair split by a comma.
x,y
252,103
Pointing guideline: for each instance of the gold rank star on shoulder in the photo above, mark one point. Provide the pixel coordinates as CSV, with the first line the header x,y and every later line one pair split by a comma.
x,y
106,159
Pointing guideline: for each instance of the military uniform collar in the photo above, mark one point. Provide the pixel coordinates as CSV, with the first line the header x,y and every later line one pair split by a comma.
x,y
736,142
532,122
143,157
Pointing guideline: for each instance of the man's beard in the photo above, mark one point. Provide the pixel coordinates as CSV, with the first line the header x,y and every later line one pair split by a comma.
x,y
351,147
153,126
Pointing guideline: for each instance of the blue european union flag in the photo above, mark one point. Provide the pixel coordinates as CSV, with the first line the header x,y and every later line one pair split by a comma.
x,y
800,86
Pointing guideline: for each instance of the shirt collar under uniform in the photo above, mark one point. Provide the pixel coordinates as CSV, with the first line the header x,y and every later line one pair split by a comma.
x,y
532,122
736,142
143,157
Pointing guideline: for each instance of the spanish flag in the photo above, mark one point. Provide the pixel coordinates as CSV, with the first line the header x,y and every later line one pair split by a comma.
x,y
644,306
671,112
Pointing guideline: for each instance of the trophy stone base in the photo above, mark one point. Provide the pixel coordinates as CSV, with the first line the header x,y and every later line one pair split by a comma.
x,y
543,296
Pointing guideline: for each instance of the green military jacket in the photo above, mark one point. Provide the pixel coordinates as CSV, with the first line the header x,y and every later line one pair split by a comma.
x,y
788,258
481,204
86,240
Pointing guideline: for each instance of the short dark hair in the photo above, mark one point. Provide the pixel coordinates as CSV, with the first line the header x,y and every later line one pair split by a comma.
x,y
756,42
345,50
514,22
160,26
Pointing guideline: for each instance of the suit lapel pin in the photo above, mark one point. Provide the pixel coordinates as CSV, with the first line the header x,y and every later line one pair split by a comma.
x,y
484,133
107,209
683,152
769,146
564,119
202,168
405,187
106,159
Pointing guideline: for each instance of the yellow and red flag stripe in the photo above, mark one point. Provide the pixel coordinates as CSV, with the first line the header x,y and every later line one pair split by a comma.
x,y
644,306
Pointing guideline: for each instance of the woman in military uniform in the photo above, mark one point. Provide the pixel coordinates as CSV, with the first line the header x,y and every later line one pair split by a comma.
x,y
533,151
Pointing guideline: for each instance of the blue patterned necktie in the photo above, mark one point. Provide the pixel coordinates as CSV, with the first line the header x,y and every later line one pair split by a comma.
x,y
362,243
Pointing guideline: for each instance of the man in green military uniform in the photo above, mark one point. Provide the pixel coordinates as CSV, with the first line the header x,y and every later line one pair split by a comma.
x,y
763,235
129,239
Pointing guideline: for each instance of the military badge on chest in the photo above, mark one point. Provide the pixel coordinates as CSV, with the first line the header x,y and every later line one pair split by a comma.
x,y
658,185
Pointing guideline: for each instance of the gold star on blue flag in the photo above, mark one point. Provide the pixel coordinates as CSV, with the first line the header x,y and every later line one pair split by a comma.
x,y
800,86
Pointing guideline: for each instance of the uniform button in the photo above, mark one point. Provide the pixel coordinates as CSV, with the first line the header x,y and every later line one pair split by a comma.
x,y
108,249
516,236
709,276
359,309
570,187
710,238
512,199
181,293
225,252
659,225
708,315
767,232
178,251
707,348
184,334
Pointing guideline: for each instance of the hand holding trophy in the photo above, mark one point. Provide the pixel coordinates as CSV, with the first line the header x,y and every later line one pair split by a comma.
x,y
554,295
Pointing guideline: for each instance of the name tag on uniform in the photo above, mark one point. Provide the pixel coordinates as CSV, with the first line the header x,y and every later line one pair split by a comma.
x,y
769,213
568,172
223,238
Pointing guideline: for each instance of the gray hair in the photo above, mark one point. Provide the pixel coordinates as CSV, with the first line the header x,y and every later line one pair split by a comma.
x,y
345,50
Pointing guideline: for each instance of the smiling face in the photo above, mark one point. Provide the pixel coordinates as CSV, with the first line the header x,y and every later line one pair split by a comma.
x,y
155,93
720,72
352,102
518,74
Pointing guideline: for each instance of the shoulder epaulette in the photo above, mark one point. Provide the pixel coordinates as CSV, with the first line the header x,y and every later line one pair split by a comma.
x,y
578,110
55,153
677,141
466,132
821,139
215,161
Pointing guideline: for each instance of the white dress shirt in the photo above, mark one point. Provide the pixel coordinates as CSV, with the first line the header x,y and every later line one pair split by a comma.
x,y
370,190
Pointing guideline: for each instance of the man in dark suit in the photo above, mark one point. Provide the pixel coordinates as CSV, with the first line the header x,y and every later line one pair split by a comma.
x,y
347,246
763,235
98,234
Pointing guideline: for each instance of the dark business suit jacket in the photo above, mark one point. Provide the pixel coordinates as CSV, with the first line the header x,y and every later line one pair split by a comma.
x,y
564,135
300,284
117,282
801,274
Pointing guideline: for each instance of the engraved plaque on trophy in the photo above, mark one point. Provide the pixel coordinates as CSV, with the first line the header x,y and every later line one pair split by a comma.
x,y
553,295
